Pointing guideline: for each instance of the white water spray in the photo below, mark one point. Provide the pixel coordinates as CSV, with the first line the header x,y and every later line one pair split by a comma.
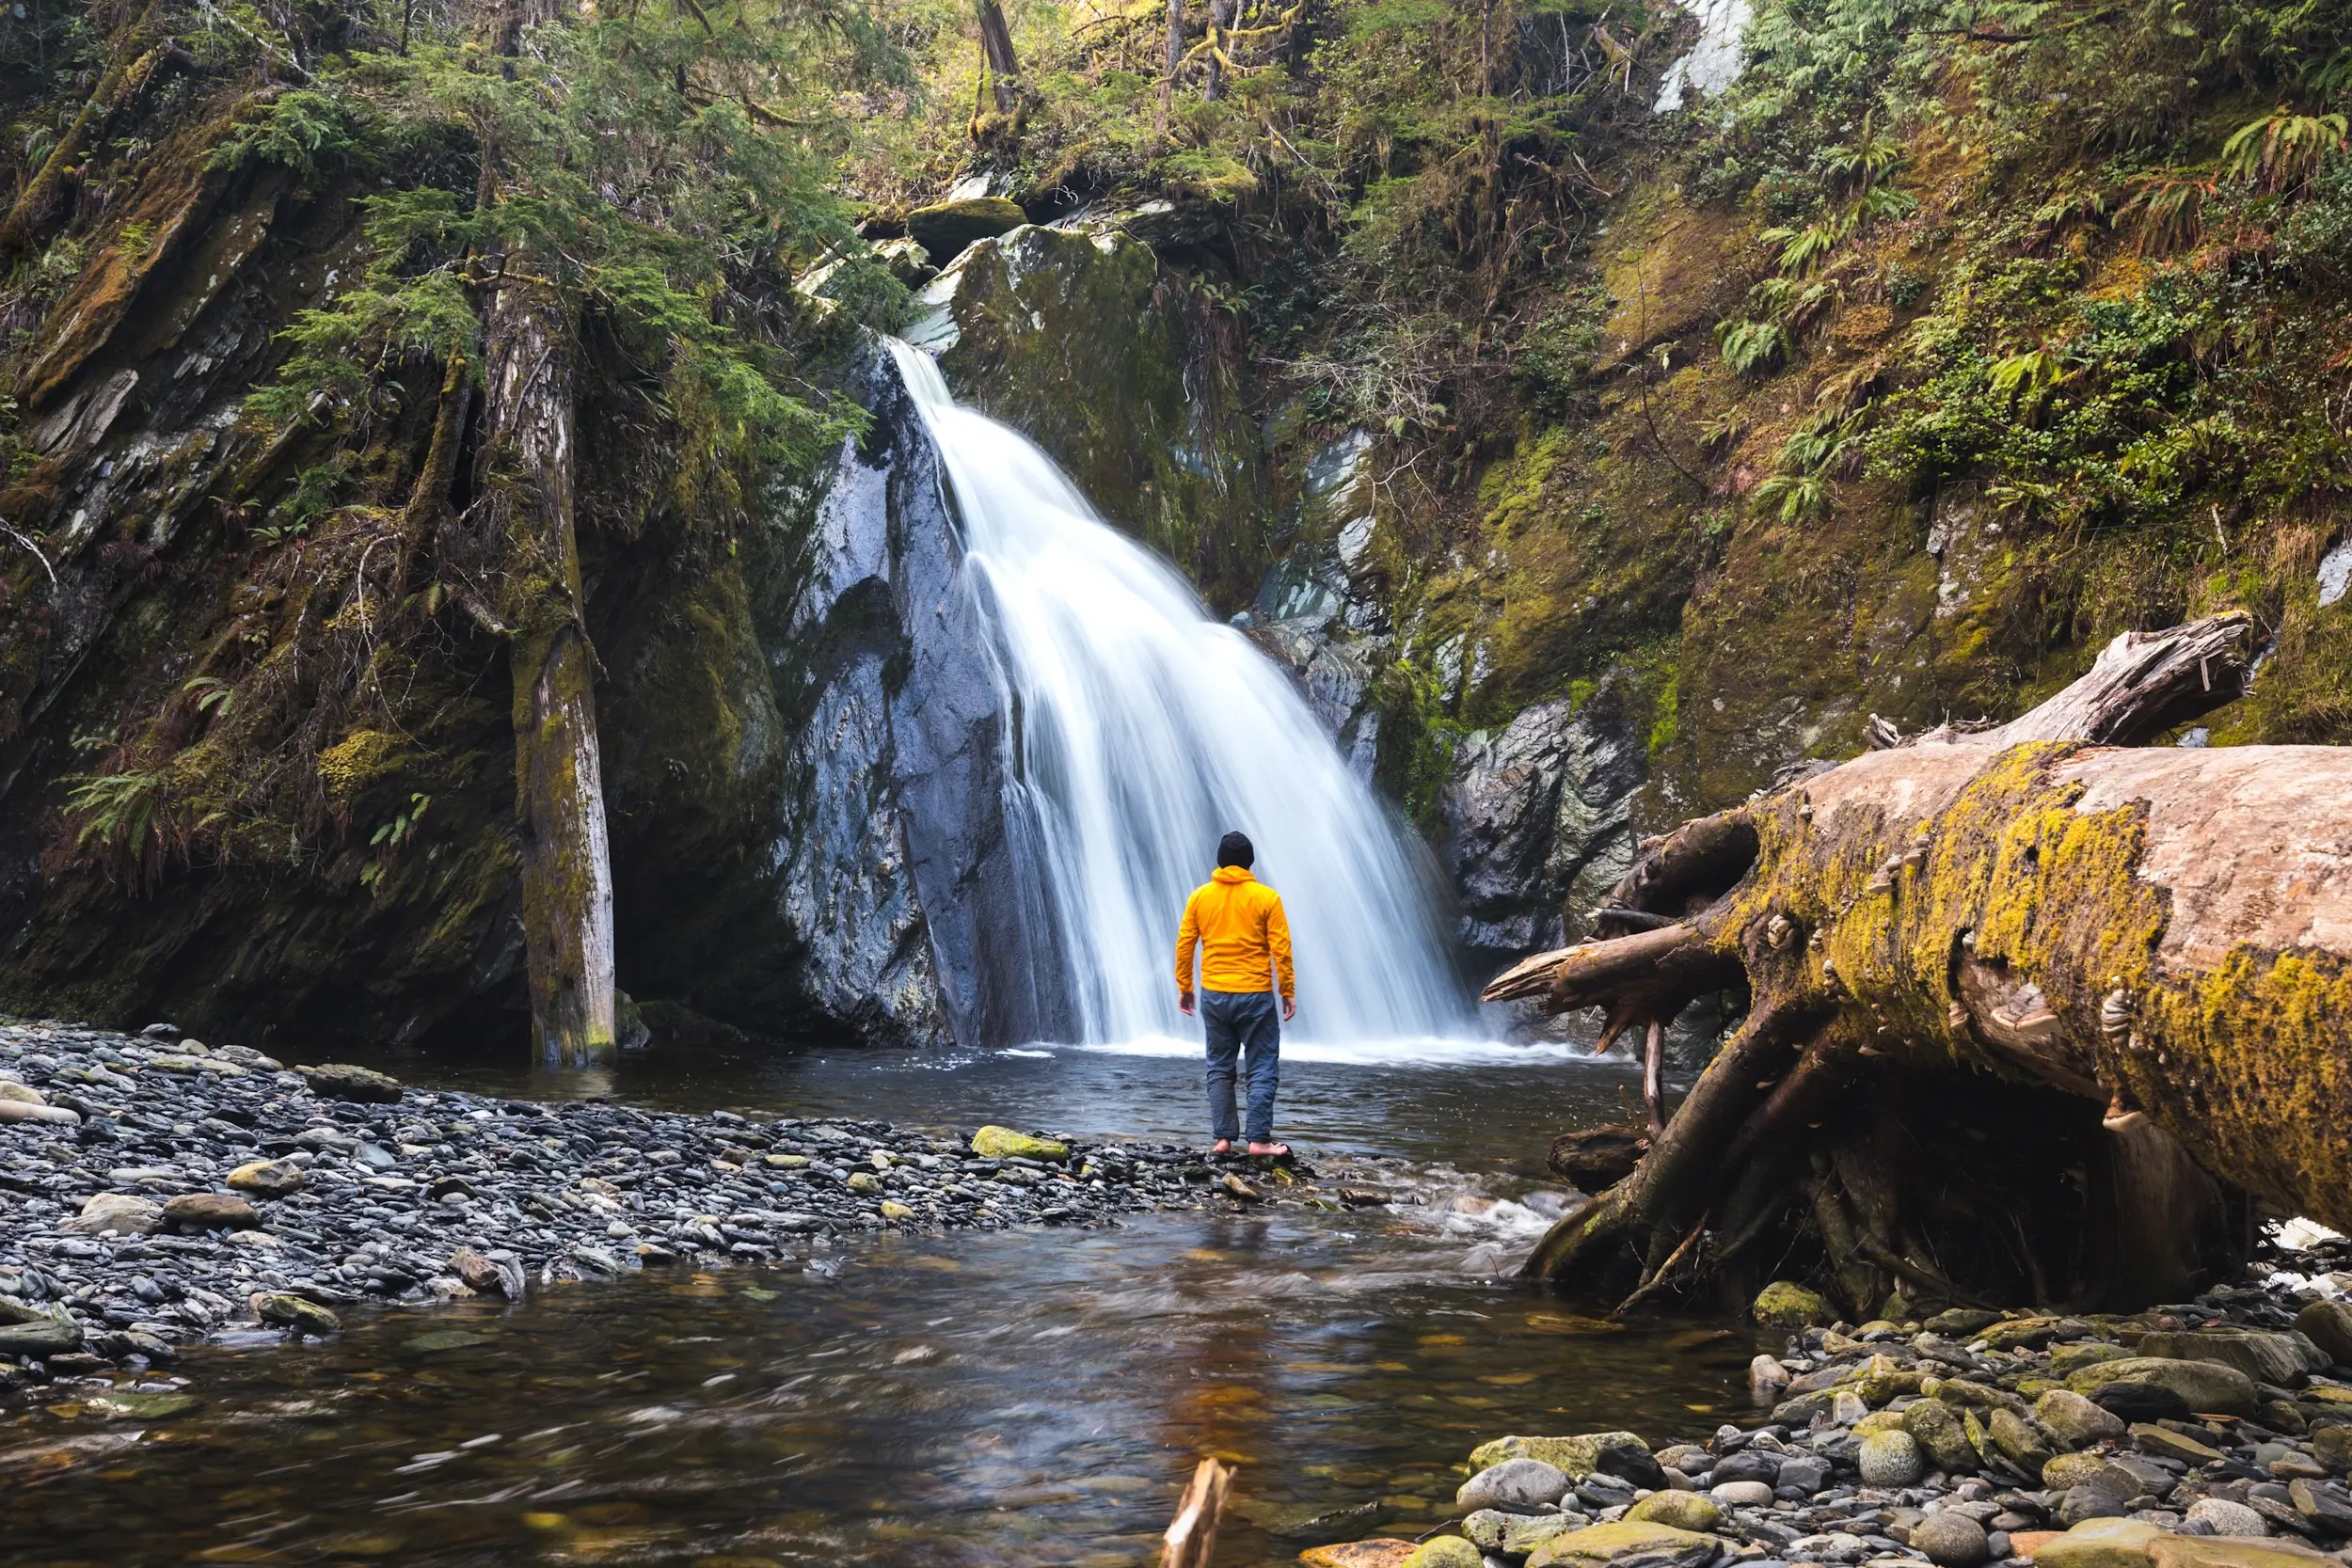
x,y
1145,731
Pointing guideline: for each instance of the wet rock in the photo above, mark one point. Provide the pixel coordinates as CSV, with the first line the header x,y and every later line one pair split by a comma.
x,y
41,1336
2225,1517
1683,1509
2204,1386
1514,1484
1379,1552
2088,1502
2324,1507
143,1407
1790,1309
895,1213
2074,1419
343,1081
475,1270
1890,1459
269,1179
297,1313
2130,1402
210,1211
2164,1441
1951,1540
1767,1378
1003,1143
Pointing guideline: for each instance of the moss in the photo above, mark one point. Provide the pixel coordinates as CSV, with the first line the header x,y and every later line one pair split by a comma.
x,y
355,764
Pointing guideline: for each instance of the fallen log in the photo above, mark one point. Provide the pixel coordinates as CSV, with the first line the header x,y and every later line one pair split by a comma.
x,y
2033,1015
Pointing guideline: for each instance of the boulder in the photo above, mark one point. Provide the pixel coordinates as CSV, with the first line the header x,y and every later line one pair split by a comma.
x,y
117,1215
1577,1456
2263,1357
42,1337
1890,1459
2329,1325
2103,1543
343,1081
2068,1359
1951,1540
2019,1439
2226,1517
1790,1309
2206,1387
299,1313
2334,1445
1938,1429
945,228
210,1211
2066,1471
1003,1143
1683,1509
2130,1402
271,1178
1627,1546
2073,1419
1514,1484
1446,1551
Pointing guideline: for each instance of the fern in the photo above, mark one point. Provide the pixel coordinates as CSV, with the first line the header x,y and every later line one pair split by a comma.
x,y
1749,346
2282,151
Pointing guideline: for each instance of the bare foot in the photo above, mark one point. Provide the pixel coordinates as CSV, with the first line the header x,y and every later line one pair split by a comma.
x,y
1224,1145
1270,1150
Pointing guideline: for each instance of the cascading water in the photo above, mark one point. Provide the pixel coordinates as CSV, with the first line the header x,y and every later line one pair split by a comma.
x,y
1143,731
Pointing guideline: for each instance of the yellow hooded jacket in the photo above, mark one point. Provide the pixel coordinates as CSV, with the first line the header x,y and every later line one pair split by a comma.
x,y
1237,923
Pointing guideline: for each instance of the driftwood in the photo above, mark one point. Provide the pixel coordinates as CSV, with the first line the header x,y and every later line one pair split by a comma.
x,y
1191,1538
2031,1015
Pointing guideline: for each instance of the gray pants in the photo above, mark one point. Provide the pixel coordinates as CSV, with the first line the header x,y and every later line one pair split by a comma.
x,y
1248,1024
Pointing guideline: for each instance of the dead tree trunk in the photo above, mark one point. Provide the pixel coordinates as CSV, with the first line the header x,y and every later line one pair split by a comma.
x,y
2018,997
1004,67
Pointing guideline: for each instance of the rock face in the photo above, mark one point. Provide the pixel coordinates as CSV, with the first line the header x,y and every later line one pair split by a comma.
x,y
1540,823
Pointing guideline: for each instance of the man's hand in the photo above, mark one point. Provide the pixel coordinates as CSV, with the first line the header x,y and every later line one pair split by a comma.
x,y
1183,1003
1290,1008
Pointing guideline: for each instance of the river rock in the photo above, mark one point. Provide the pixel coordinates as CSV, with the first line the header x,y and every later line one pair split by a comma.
x,y
1576,1456
1941,1434
1514,1484
2329,1325
22,1093
2073,1419
2066,1471
2066,1360
18,1110
1790,1309
1446,1551
269,1179
1756,1465
210,1211
1683,1509
2265,1357
2102,1543
343,1081
2323,1507
297,1313
2207,1387
2334,1445
1741,1494
41,1336
1003,1143
1890,1459
117,1215
1379,1552
2230,1551
2169,1444
2226,1517
2017,1437
1952,1540
2090,1502
2130,1402
1627,1546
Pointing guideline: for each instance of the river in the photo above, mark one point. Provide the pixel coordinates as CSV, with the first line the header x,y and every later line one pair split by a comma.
x,y
1023,1397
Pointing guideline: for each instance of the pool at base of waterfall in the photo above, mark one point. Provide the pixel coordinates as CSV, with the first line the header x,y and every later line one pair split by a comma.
x,y
1018,1397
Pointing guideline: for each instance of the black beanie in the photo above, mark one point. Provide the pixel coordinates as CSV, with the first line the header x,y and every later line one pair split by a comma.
x,y
1235,849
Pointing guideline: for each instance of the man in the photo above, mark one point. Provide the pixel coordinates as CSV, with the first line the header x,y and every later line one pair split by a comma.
x,y
1245,942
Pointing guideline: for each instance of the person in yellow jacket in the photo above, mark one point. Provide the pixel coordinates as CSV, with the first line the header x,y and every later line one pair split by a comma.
x,y
1236,922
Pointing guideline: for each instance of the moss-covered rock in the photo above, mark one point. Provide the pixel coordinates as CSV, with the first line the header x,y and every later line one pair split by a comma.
x,y
2206,1386
1787,1307
945,228
1003,1143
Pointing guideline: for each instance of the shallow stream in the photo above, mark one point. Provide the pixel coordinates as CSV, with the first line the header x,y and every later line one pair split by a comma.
x,y
1026,1397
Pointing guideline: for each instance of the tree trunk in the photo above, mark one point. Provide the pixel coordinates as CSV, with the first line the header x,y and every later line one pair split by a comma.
x,y
525,485
2018,999
1175,61
1004,67
1220,17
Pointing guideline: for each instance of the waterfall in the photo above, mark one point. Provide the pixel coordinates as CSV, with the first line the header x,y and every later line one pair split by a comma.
x,y
1142,732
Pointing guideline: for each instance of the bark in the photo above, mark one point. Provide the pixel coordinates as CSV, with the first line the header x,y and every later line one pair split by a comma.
x,y
1004,67
2031,1012
1175,60
1220,17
